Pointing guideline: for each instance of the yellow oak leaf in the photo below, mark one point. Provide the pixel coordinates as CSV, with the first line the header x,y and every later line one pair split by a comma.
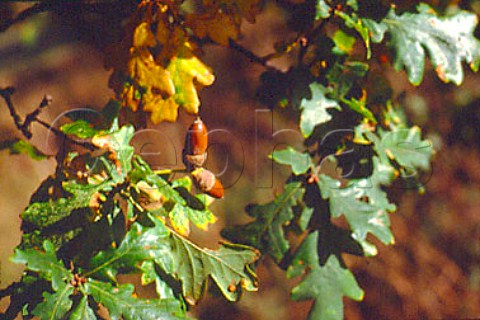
x,y
161,73
151,80
162,109
217,25
143,36
186,69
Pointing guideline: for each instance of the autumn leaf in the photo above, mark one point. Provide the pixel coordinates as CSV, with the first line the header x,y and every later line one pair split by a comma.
x,y
215,24
186,69
163,81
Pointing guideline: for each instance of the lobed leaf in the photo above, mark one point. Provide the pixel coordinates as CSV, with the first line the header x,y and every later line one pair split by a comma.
x,y
229,268
448,41
326,284
117,142
121,304
314,110
185,69
266,233
216,24
300,162
56,305
140,244
45,264
403,145
354,22
363,203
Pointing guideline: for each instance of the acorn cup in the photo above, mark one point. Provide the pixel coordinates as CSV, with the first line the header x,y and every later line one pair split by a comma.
x,y
207,183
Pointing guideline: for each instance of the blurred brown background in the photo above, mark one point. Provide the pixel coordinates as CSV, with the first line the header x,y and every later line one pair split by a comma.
x,y
433,270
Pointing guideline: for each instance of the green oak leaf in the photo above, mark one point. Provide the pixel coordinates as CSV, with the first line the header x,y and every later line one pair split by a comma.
x,y
327,284
322,10
83,311
314,110
121,304
405,146
448,41
17,146
55,305
149,275
300,162
117,142
45,264
304,218
200,218
140,244
186,209
354,22
266,233
363,203
229,267
80,128
344,43
42,214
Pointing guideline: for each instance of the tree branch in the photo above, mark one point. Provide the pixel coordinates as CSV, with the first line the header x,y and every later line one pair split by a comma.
x,y
249,54
25,14
25,126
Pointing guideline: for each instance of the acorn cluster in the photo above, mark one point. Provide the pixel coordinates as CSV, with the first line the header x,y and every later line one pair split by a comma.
x,y
194,156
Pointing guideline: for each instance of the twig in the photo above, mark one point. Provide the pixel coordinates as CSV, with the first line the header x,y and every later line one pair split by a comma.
x,y
8,291
25,14
25,126
6,94
249,54
32,116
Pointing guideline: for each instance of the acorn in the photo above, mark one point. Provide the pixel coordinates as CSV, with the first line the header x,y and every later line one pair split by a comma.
x,y
196,143
207,183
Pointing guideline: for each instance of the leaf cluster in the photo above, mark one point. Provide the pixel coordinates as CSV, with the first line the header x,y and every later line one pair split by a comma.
x,y
106,213
357,141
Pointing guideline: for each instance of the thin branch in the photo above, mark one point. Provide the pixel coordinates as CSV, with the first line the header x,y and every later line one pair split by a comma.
x,y
32,116
25,14
8,291
25,126
6,94
249,54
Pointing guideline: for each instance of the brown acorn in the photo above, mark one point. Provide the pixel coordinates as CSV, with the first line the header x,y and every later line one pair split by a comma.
x,y
207,183
196,143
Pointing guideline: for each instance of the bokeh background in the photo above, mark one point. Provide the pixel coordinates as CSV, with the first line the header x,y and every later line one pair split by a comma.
x,y
433,270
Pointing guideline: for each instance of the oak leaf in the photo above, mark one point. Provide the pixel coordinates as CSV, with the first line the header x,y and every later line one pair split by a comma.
x,y
215,24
